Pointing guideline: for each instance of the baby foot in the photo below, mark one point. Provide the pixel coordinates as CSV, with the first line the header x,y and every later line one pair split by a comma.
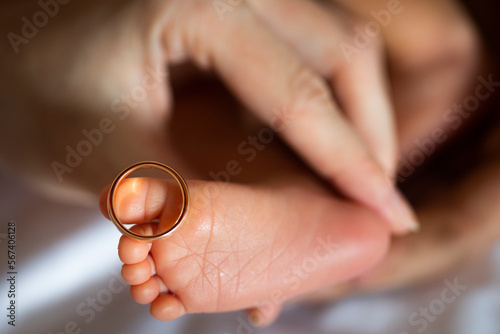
x,y
244,247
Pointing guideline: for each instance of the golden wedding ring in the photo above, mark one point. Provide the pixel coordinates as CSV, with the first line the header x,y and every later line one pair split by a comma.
x,y
147,164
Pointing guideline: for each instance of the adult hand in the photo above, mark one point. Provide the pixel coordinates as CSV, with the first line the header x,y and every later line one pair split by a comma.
x,y
84,91
435,57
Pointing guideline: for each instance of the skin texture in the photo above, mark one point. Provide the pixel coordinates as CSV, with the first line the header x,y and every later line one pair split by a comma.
x,y
219,260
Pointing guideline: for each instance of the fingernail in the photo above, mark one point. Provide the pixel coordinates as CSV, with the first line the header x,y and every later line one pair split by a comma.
x,y
403,217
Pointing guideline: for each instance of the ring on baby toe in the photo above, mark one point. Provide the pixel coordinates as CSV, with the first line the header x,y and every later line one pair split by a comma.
x,y
168,219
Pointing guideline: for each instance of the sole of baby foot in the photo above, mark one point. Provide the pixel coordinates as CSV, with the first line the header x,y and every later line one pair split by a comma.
x,y
246,247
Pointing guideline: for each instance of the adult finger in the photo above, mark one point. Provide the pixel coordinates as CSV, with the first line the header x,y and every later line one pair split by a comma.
x,y
358,77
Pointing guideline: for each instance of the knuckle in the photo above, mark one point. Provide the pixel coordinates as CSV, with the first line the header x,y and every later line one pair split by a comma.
x,y
308,90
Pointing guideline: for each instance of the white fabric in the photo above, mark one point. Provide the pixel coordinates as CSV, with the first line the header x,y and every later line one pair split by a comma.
x,y
67,255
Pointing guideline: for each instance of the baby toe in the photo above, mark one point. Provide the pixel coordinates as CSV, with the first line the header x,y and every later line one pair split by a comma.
x,y
146,292
132,251
167,307
138,273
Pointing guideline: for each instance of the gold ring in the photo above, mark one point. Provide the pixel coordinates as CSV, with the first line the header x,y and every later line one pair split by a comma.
x,y
147,164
